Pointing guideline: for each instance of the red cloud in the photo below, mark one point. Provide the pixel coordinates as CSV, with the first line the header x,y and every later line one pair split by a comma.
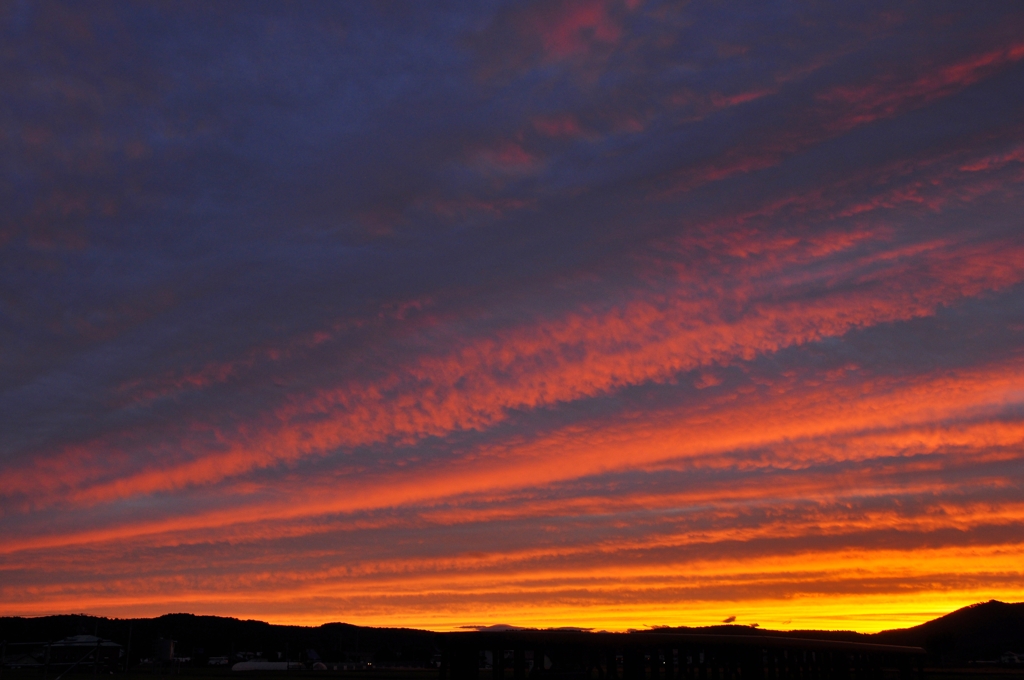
x,y
579,32
565,125
885,97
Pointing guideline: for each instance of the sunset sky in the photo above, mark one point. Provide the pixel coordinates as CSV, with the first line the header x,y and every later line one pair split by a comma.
x,y
546,313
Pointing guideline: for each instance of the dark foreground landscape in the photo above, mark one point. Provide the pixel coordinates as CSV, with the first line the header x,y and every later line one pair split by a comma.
x,y
983,640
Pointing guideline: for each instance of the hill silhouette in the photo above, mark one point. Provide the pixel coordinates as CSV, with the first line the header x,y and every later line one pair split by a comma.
x,y
979,632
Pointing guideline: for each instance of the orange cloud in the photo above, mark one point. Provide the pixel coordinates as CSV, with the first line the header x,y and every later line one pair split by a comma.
x,y
475,384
